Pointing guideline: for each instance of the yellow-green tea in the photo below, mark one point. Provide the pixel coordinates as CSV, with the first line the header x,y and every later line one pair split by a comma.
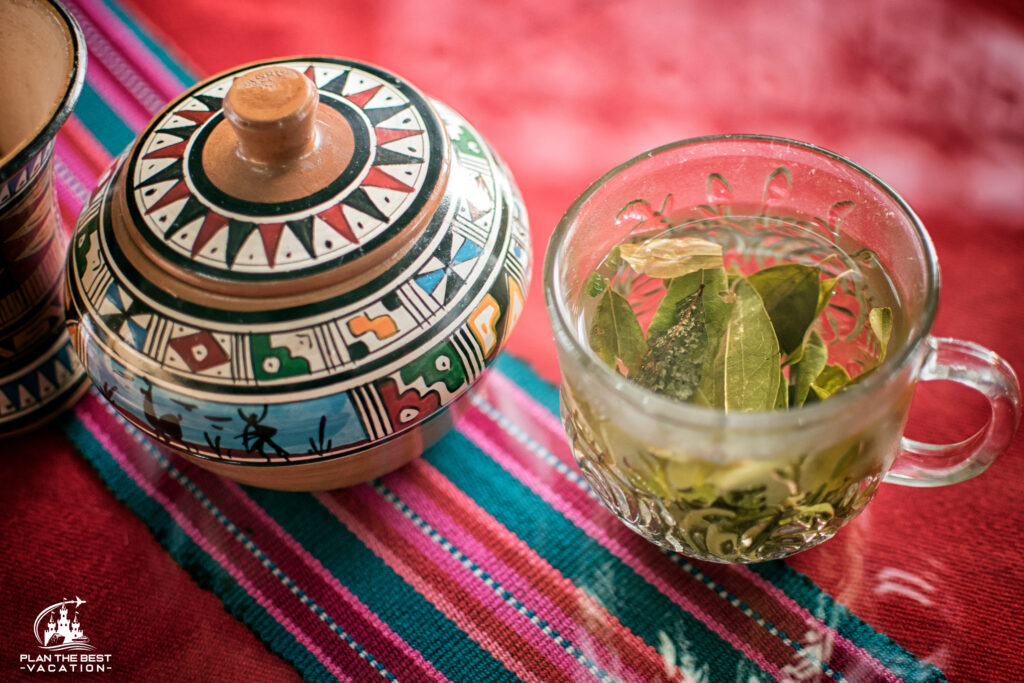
x,y
742,509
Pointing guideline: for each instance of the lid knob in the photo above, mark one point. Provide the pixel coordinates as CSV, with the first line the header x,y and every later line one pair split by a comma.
x,y
273,113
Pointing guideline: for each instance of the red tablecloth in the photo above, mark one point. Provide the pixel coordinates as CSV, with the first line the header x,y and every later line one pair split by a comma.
x,y
929,95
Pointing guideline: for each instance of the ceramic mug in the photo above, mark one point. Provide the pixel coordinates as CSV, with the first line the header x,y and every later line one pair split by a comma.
x,y
752,486
42,54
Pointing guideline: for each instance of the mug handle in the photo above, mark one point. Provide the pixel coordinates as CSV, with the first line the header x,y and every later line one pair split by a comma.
x,y
925,464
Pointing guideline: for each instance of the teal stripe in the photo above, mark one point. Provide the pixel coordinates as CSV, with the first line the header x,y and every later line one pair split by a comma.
x,y
796,585
799,587
208,573
646,611
94,113
377,586
152,45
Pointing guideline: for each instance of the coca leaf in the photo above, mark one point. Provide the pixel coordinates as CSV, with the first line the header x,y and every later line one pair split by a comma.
x,y
595,285
826,289
669,257
790,295
675,357
714,282
744,375
880,320
615,334
812,362
831,379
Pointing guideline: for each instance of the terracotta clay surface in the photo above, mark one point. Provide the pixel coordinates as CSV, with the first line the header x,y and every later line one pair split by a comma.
x,y
276,144
35,69
272,111
41,71
296,270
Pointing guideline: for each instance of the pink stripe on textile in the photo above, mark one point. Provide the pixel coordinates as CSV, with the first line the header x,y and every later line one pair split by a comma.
x,y
853,659
65,201
251,558
84,412
128,59
259,547
499,389
71,172
117,97
173,480
524,573
78,162
476,426
411,576
308,572
94,156
463,578
787,615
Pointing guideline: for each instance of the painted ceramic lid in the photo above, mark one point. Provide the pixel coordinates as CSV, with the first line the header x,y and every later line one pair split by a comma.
x,y
274,182
333,288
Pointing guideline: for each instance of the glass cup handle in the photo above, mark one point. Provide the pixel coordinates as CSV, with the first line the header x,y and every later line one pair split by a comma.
x,y
974,366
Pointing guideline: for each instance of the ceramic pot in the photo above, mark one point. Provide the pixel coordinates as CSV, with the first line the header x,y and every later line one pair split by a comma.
x,y
42,68
296,270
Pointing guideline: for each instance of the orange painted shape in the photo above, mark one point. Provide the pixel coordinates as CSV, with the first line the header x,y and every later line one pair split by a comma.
x,y
383,326
484,323
516,302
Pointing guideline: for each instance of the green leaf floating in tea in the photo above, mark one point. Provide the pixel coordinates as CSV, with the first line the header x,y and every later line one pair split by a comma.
x,y
669,257
716,310
812,362
732,341
675,357
615,334
595,285
826,290
790,295
831,379
745,372
739,341
880,320
782,397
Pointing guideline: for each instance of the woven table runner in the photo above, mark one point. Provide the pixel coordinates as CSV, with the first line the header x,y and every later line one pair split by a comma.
x,y
487,559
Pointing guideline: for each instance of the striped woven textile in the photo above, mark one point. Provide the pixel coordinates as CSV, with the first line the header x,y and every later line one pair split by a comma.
x,y
487,559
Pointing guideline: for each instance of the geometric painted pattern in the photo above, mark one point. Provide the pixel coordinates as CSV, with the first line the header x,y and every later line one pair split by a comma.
x,y
447,271
191,222
21,179
336,377
30,393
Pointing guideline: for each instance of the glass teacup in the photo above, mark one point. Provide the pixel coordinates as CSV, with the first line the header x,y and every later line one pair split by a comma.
x,y
752,486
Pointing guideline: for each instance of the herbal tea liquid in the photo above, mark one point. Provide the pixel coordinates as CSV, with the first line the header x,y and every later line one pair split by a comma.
x,y
762,506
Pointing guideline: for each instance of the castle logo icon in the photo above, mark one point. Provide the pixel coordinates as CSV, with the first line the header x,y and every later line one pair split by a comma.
x,y
57,631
